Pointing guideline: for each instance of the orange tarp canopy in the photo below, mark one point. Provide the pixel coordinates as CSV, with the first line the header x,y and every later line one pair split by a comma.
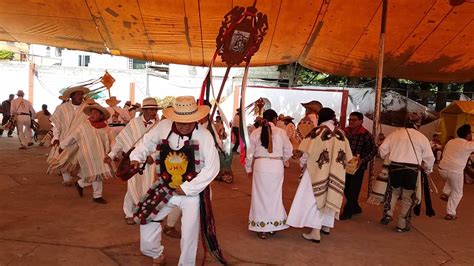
x,y
429,40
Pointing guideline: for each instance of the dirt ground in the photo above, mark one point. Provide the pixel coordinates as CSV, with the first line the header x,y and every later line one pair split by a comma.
x,y
44,223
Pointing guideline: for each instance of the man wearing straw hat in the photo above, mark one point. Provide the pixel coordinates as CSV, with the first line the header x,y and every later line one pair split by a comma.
x,y
22,112
66,119
310,120
187,162
94,140
125,140
119,117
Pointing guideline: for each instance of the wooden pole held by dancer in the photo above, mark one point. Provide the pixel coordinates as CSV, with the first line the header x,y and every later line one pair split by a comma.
x,y
220,93
378,87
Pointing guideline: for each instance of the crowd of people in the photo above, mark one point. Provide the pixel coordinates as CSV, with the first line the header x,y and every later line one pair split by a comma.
x,y
175,158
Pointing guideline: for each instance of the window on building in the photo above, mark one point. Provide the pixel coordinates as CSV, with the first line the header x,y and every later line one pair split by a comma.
x,y
137,64
84,60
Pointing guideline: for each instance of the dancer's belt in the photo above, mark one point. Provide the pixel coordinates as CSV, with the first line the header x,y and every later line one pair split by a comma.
x,y
270,158
28,114
117,125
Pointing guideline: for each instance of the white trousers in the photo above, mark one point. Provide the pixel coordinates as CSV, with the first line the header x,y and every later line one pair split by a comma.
x,y
173,217
150,234
453,187
23,123
96,187
128,204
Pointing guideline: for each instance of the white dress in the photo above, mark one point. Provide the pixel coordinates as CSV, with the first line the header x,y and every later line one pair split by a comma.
x,y
267,212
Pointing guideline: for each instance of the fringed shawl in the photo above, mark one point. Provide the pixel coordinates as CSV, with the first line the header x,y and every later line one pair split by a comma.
x,y
328,152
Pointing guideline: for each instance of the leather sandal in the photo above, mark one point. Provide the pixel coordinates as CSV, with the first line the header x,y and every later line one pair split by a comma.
x,y
450,217
262,235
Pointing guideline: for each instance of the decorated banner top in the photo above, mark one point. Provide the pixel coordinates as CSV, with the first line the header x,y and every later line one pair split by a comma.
x,y
241,34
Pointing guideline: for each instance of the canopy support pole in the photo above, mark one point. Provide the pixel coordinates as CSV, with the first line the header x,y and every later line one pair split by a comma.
x,y
378,87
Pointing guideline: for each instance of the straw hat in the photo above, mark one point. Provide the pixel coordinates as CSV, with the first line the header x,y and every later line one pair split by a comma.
x,y
67,93
313,105
186,110
88,109
20,93
112,101
150,103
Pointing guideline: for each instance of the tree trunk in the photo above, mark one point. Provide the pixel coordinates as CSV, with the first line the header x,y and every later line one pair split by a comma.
x,y
425,93
441,96
469,89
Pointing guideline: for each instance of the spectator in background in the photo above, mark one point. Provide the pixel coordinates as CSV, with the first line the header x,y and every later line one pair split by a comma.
x,y
364,149
436,147
235,130
44,123
6,105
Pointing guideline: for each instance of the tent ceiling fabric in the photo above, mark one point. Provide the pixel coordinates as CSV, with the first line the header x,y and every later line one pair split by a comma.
x,y
428,40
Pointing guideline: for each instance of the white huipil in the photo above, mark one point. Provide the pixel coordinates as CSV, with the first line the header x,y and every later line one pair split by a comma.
x,y
267,212
138,185
304,211
150,234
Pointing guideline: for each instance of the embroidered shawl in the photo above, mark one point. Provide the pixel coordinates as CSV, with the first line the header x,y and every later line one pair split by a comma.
x,y
328,152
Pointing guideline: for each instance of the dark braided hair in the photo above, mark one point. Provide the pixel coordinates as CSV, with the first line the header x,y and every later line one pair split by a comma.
x,y
268,116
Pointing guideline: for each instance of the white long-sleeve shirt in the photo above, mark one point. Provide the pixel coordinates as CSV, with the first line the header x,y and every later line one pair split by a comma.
x,y
455,155
22,106
134,135
207,151
400,148
281,146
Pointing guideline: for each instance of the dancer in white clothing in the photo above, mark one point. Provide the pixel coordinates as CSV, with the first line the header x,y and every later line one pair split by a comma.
x,y
22,112
455,155
187,162
270,147
320,193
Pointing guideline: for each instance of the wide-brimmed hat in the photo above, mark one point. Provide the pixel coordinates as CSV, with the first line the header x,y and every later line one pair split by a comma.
x,y
20,93
112,101
150,103
103,110
313,105
67,93
186,110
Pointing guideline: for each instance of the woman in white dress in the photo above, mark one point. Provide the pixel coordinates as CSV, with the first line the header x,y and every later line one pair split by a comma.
x,y
269,147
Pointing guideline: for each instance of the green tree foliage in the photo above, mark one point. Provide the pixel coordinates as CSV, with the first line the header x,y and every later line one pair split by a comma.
x,y
6,55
